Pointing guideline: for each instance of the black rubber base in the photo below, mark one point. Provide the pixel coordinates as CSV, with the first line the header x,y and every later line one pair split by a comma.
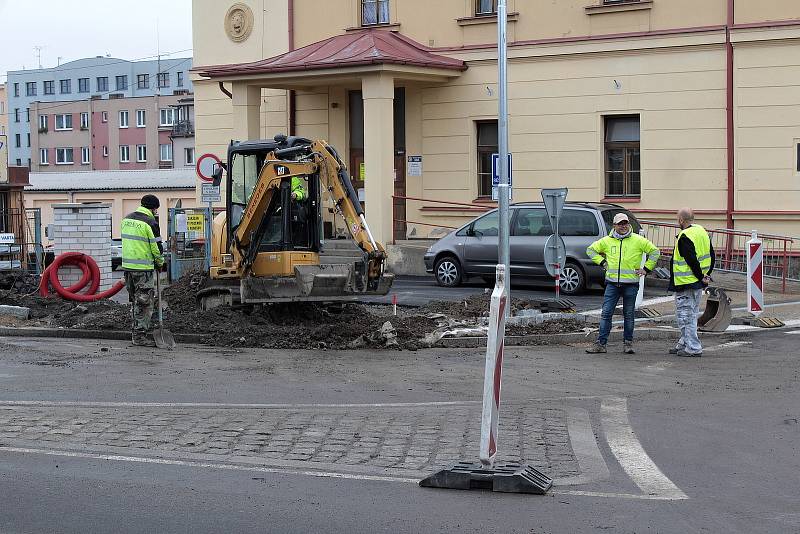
x,y
507,478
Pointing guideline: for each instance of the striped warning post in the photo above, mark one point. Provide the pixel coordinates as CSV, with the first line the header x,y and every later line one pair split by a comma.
x,y
755,275
494,370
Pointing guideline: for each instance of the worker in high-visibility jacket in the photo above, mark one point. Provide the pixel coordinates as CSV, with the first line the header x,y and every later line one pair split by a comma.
x,y
692,262
621,253
142,257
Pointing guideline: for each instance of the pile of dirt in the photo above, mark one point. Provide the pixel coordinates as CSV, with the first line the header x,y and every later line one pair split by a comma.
x,y
14,285
470,307
558,326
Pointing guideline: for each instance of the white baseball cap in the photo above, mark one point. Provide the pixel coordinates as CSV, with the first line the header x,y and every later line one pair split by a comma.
x,y
619,217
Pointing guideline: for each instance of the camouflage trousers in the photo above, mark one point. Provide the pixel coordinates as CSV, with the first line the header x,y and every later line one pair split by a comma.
x,y
142,295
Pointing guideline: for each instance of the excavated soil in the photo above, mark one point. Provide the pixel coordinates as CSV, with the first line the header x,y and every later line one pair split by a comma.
x,y
290,326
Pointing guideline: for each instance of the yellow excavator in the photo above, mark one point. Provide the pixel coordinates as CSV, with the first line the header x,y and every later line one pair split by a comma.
x,y
266,246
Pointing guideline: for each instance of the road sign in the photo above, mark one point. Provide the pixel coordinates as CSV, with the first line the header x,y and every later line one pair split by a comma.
x,y
555,252
210,193
496,193
206,165
496,169
554,202
755,275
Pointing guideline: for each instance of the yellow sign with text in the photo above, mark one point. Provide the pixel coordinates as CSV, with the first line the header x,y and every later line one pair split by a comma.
x,y
195,222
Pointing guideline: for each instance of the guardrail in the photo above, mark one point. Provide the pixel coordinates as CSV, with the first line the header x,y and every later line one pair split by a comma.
x,y
780,258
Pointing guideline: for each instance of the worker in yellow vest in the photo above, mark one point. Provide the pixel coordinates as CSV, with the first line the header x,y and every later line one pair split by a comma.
x,y
692,262
621,254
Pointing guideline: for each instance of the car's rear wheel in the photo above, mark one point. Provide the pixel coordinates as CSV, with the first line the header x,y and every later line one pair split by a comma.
x,y
573,281
448,271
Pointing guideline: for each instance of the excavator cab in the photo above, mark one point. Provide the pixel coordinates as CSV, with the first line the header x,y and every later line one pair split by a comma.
x,y
266,246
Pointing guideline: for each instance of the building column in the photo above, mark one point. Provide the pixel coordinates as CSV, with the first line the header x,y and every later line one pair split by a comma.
x,y
246,111
378,94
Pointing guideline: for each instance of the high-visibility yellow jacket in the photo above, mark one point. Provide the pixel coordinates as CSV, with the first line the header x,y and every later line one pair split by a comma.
x,y
623,256
141,244
298,188
702,246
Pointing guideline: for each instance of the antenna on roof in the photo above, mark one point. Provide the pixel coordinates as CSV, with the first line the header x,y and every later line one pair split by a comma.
x,y
38,54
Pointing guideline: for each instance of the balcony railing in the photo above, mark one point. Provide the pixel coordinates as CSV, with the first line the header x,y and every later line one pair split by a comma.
x,y
183,128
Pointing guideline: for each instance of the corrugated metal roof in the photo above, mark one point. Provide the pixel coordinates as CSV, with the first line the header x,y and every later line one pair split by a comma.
x,y
368,47
183,178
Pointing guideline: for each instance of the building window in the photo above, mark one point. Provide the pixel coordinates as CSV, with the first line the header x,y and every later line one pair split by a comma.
x,y
140,118
18,140
374,12
487,145
64,156
16,114
485,7
16,92
165,152
105,151
85,155
141,153
43,157
623,173
27,114
798,157
29,140
42,123
163,79
85,120
166,117
143,81
102,84
83,85
104,116
122,83
124,154
50,87
30,89
64,122
123,119
188,156
180,78
65,86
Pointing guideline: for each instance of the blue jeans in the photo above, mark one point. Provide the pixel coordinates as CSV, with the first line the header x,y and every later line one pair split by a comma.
x,y
613,293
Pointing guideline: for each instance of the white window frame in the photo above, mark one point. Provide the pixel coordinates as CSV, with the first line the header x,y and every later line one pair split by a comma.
x,y
104,116
141,153
188,156
168,113
43,157
85,120
124,154
141,118
43,122
161,148
105,151
64,151
124,119
64,121
86,155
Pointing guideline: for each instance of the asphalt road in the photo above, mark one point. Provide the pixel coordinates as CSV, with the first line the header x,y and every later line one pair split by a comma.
x,y
102,437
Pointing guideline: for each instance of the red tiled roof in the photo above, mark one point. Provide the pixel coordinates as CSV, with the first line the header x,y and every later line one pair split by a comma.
x,y
368,47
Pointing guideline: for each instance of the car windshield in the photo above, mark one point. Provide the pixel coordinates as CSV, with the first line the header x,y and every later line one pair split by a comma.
x,y
608,219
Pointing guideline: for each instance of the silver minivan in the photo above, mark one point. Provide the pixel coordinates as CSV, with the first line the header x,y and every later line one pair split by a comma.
x,y
471,251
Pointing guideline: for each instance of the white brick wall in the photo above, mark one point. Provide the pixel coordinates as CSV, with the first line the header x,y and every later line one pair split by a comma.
x,y
83,228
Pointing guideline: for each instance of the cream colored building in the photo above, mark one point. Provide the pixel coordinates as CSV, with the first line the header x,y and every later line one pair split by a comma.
x,y
653,104
3,110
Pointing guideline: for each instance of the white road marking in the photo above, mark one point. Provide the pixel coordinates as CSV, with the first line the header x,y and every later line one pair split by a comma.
x,y
613,495
631,456
748,328
728,345
590,460
213,405
793,332
660,366
187,463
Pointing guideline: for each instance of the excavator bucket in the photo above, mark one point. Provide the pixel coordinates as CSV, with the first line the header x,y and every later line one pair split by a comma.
x,y
717,315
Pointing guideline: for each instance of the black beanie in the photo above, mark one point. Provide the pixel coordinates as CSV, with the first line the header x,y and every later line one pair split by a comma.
x,y
150,202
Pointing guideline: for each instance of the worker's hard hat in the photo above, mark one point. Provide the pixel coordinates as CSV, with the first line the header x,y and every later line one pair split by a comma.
x,y
150,202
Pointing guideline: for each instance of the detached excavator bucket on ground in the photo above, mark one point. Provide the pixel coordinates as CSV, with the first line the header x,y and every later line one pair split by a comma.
x,y
717,315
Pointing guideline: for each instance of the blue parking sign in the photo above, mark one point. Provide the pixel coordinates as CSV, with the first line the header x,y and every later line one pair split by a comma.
x,y
496,169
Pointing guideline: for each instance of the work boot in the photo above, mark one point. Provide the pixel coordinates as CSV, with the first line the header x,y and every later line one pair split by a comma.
x,y
685,354
627,348
143,341
674,350
596,348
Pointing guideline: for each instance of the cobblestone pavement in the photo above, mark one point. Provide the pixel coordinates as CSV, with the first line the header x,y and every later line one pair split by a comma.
x,y
406,438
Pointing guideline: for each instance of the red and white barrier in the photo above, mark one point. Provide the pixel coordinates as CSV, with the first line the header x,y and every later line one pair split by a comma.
x,y
755,275
494,370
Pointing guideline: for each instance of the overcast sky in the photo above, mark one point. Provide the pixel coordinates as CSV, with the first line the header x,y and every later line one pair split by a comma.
x,y
74,29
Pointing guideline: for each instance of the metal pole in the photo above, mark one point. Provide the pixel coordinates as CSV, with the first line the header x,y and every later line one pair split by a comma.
x,y
209,222
502,141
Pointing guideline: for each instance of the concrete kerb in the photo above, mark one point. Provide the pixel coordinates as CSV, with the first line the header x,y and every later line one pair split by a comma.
x,y
74,333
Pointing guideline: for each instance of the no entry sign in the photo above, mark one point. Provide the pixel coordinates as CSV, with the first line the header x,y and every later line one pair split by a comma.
x,y
206,165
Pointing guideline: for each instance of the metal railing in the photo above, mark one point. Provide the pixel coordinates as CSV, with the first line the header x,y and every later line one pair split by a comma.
x,y
781,261
185,127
